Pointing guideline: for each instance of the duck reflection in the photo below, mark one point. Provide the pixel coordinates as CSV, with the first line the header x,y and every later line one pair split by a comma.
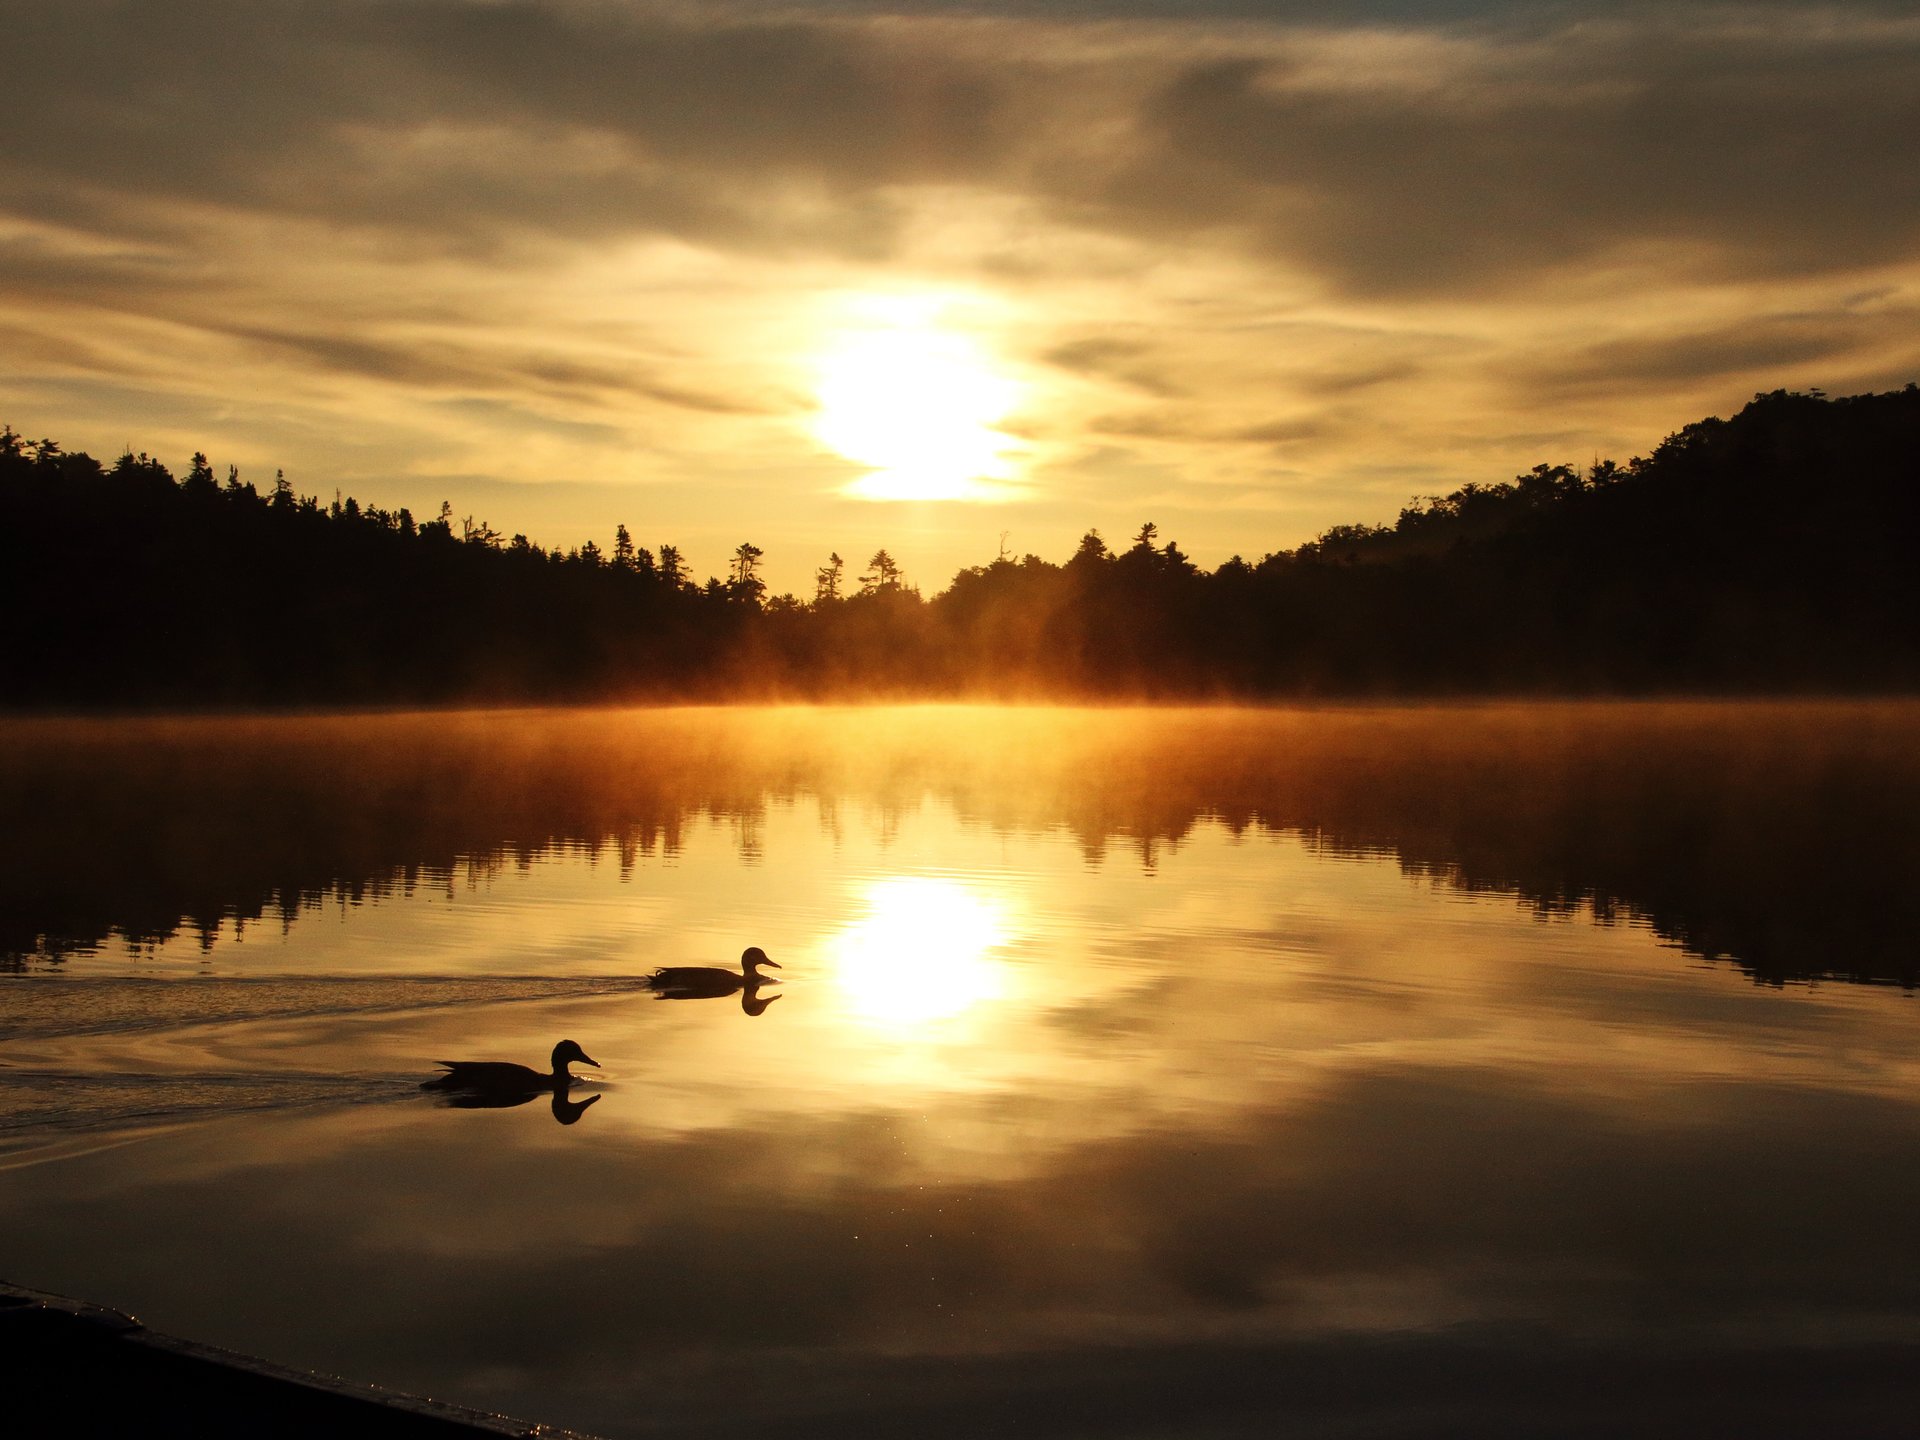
x,y
564,1110
751,1002
499,1085
712,982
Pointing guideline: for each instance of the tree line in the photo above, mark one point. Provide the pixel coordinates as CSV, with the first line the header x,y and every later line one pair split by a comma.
x,y
1772,550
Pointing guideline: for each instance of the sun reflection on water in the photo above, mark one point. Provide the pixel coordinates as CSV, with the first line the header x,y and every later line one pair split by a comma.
x,y
922,951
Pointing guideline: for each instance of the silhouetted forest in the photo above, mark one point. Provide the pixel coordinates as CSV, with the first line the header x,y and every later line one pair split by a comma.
x,y
1774,550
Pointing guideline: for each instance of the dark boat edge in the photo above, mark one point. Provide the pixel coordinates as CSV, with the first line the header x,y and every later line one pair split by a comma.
x,y
95,1371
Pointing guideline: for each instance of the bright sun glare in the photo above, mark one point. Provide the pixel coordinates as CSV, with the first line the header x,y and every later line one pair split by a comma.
x,y
921,952
917,401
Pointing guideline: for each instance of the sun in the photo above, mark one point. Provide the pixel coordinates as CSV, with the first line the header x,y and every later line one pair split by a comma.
x,y
917,402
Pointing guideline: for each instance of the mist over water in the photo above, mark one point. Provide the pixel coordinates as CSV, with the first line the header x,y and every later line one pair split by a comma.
x,y
1132,1072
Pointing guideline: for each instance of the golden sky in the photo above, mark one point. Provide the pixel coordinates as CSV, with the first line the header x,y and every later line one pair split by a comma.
x,y
837,276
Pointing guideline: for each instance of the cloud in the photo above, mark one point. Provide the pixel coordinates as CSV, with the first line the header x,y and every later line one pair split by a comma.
x,y
1513,159
1765,350
1387,162
1131,362
478,121
465,369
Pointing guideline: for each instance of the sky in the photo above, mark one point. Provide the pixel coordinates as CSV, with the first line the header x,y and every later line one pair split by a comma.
x,y
945,278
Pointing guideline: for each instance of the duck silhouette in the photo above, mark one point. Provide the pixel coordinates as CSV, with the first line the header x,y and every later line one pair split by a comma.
x,y
480,1083
710,982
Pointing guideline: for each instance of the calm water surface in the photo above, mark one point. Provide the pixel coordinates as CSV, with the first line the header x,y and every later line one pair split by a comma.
x,y
1478,1070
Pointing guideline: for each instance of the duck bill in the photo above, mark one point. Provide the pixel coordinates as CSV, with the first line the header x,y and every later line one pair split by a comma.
x,y
586,1059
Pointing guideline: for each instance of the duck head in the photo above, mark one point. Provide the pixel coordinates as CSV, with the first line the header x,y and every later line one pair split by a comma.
x,y
752,958
566,1053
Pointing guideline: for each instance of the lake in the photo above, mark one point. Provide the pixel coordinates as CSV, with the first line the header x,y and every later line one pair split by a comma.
x,y
1471,1069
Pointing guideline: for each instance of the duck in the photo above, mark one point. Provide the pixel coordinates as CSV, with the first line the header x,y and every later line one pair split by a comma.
x,y
710,982
498,1077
